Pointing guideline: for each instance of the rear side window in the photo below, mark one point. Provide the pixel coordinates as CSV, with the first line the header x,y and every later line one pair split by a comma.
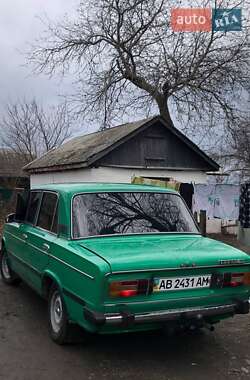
x,y
34,202
47,218
54,228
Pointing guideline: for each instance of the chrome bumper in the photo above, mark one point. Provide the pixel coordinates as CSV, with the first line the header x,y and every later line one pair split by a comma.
x,y
126,318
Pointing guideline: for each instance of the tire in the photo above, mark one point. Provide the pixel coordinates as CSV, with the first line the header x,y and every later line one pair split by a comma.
x,y
60,329
8,276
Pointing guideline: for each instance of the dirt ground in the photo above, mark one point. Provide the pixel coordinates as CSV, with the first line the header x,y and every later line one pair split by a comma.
x,y
27,353
231,240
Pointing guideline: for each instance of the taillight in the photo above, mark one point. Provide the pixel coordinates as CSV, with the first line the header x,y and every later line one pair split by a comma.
x,y
128,288
233,279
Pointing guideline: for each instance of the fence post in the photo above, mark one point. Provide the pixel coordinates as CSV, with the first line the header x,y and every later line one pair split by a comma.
x,y
203,222
196,216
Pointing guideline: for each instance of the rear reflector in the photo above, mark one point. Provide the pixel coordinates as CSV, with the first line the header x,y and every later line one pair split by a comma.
x,y
128,288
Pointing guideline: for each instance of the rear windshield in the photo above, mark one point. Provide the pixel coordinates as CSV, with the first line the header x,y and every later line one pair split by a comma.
x,y
129,213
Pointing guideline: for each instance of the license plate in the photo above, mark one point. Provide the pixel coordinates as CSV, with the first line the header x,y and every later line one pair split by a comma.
x,y
182,283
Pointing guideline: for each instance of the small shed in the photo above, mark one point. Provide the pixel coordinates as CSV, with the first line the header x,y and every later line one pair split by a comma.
x,y
148,148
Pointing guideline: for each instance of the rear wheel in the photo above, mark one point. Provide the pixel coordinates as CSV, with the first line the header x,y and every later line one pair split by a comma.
x,y
57,315
8,276
60,329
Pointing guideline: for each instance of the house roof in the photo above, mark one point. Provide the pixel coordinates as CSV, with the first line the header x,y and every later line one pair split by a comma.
x,y
11,164
84,151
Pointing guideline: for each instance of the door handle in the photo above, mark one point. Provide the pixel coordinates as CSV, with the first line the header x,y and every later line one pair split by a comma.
x,y
24,236
46,247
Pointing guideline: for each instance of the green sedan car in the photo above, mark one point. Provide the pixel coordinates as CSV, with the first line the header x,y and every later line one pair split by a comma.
x,y
116,258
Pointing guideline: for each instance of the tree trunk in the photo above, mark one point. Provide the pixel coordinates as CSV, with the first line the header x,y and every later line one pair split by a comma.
x,y
164,110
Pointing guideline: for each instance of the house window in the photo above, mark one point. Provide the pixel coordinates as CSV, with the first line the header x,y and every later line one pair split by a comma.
x,y
155,151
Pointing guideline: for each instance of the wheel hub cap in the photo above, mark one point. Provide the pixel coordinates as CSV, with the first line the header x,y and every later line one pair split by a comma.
x,y
56,312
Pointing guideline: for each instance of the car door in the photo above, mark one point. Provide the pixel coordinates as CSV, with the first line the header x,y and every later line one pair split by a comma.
x,y
19,248
41,236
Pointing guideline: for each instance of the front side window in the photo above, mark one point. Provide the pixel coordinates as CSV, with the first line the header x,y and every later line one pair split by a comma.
x,y
128,213
47,218
33,205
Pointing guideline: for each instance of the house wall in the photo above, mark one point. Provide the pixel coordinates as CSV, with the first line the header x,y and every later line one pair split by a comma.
x,y
155,147
119,175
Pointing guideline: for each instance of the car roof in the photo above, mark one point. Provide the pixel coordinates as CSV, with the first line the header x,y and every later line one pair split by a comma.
x,y
74,188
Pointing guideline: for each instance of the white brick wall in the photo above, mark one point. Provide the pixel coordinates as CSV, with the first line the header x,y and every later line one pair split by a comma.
x,y
119,175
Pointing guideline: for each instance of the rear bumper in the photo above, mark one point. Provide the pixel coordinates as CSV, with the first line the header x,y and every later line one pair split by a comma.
x,y
125,318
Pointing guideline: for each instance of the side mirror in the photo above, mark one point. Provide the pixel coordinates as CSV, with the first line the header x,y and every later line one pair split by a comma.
x,y
10,218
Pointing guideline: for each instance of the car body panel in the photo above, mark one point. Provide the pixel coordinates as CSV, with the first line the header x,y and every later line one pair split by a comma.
x,y
15,244
158,251
38,257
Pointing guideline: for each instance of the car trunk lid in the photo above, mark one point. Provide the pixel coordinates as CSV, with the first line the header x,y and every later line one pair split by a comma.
x,y
159,252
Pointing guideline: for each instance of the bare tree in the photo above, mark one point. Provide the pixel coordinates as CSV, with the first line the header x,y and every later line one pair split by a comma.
x,y
128,58
238,150
231,148
30,131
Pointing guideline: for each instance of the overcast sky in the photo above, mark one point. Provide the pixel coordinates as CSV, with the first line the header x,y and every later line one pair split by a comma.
x,y
19,25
